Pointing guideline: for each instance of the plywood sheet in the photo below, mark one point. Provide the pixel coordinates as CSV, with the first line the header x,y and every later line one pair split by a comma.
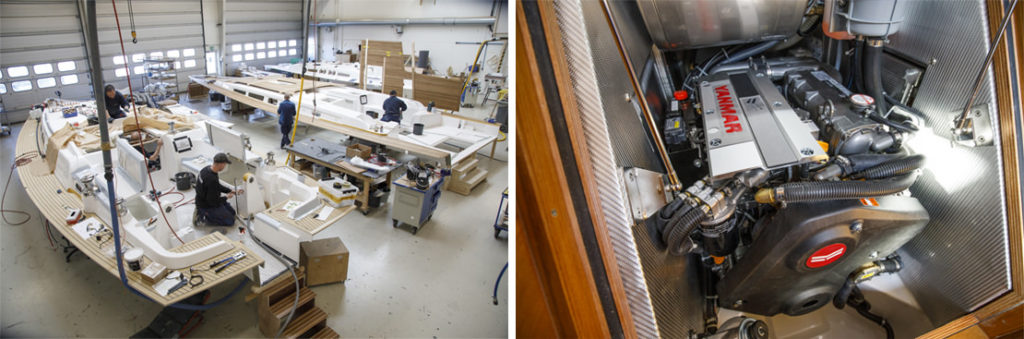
x,y
446,93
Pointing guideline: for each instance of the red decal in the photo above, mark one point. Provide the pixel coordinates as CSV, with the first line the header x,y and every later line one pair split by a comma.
x,y
727,108
826,255
869,202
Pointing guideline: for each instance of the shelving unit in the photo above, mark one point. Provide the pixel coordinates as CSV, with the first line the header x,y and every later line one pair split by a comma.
x,y
161,78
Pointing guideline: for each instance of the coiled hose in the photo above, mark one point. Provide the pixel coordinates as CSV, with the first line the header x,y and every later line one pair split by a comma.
x,y
677,233
834,190
892,168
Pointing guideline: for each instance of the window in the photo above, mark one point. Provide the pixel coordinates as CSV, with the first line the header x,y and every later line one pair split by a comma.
x,y
138,57
291,43
261,45
248,46
271,44
3,89
188,52
46,82
177,65
120,72
173,53
261,55
139,70
272,54
119,60
21,86
190,63
236,57
69,79
291,51
17,71
281,52
282,43
43,68
66,66
156,55
249,56
236,48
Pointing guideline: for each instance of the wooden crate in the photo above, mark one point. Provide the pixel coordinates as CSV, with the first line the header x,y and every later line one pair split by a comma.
x,y
325,261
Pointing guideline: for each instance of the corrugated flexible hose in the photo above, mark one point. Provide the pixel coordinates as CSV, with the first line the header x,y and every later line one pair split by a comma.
x,y
892,168
834,190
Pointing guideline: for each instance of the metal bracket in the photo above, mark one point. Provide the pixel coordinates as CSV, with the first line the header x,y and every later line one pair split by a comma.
x,y
977,130
645,192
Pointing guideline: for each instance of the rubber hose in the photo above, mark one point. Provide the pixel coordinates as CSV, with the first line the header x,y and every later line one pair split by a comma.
x,y
900,126
893,101
670,215
873,76
680,231
892,168
752,51
858,75
862,162
835,190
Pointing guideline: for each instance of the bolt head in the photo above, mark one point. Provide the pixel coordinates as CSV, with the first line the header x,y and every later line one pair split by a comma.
x,y
715,142
856,226
873,255
628,97
738,303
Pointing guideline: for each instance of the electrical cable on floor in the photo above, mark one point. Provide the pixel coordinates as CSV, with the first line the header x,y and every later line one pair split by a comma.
x,y
138,129
19,161
38,149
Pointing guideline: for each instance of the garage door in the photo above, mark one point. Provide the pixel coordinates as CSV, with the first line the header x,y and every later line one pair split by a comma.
x,y
262,32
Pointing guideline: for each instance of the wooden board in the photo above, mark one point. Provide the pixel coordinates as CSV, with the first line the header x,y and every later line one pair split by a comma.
x,y
394,75
309,223
374,52
445,93
42,188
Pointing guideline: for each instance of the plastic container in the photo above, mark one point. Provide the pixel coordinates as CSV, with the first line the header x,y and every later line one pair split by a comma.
x,y
417,129
134,259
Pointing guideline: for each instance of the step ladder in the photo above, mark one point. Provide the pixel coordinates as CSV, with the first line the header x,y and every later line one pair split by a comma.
x,y
465,176
274,301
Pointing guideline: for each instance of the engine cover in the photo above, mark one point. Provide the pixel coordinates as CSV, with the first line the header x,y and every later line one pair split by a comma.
x,y
803,253
748,124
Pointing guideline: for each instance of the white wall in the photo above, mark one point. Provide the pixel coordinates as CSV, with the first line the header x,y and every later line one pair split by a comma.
x,y
439,40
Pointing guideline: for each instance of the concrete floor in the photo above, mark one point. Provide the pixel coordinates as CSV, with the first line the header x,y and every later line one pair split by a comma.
x,y
437,283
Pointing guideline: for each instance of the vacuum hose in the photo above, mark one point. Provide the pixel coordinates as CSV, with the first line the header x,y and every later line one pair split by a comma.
x,y
749,52
834,190
676,233
892,168
873,74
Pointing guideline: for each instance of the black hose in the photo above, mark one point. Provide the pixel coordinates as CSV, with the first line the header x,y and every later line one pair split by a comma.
x,y
858,302
678,233
860,162
670,215
873,75
897,125
835,190
858,76
892,168
39,125
894,102
752,51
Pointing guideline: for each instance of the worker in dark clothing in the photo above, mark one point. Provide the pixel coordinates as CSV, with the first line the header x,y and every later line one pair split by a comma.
x,y
393,108
211,207
114,102
286,117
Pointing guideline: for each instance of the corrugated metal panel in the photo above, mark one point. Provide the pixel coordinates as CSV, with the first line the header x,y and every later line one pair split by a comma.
x,y
671,281
252,21
960,261
613,206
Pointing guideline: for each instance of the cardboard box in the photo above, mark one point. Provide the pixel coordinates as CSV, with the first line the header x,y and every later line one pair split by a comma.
x,y
359,150
325,260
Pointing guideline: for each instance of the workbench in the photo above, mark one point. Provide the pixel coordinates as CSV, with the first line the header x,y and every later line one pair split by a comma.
x,y
332,155
414,206
53,201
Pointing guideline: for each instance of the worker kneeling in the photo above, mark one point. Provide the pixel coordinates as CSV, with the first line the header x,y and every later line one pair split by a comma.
x,y
211,207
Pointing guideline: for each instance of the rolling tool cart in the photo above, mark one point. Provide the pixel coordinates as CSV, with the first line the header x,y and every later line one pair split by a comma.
x,y
414,204
501,220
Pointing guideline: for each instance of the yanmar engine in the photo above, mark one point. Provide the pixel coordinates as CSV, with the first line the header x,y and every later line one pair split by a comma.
x,y
807,187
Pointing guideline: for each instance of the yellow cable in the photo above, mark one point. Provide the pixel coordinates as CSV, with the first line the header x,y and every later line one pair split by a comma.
x,y
503,137
295,122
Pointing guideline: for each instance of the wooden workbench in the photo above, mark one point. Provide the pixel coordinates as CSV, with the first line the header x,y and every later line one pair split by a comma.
x,y
364,192
42,188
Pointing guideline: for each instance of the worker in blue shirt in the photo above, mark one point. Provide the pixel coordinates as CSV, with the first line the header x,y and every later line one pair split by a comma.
x,y
286,117
393,108
114,102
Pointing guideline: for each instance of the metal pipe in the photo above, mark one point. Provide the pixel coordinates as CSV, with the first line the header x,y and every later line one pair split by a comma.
x,y
961,122
409,21
223,37
674,184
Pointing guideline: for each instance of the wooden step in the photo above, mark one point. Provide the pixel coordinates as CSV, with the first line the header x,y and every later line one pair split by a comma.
x,y
306,322
465,166
326,333
476,177
282,307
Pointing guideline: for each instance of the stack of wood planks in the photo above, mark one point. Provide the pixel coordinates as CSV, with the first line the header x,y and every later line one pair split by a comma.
x,y
374,52
445,93
394,74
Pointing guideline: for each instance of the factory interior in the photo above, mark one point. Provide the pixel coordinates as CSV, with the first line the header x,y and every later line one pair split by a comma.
x,y
769,169
254,168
